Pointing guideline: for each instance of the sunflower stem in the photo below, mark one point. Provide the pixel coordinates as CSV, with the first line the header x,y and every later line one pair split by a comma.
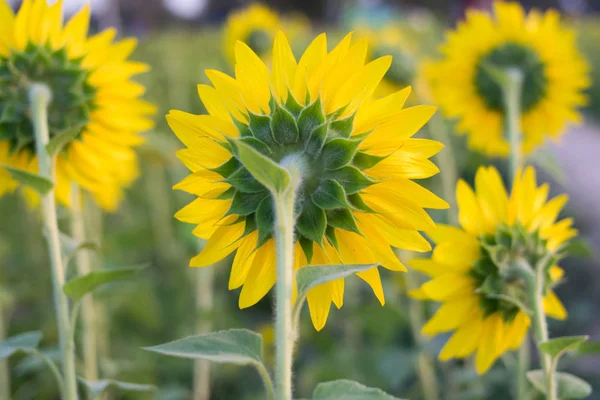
x,y
521,370
285,335
513,87
83,262
4,369
39,98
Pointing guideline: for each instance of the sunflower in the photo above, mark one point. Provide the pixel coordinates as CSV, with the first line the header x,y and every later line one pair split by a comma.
x,y
357,197
555,74
390,40
91,93
256,25
471,266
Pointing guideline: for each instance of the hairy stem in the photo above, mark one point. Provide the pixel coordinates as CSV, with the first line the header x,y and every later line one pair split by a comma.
x,y
83,261
512,90
204,307
39,97
521,370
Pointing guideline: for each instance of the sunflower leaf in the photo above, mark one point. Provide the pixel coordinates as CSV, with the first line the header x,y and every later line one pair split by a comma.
x,y
83,285
35,181
569,386
555,348
24,342
59,141
263,169
97,388
348,390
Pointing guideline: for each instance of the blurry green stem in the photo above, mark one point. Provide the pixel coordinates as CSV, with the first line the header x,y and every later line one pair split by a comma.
x,y
522,368
425,364
4,371
39,97
285,336
52,367
512,87
204,308
84,266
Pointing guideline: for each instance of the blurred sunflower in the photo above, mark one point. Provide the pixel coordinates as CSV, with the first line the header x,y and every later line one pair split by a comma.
x,y
390,40
256,25
470,267
91,93
357,197
555,75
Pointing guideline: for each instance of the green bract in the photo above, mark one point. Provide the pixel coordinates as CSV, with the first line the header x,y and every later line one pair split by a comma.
x,y
512,55
72,93
332,171
500,284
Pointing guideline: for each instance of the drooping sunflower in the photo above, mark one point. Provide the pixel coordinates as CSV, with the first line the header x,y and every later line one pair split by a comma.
x,y
256,25
357,197
471,266
92,92
390,40
555,74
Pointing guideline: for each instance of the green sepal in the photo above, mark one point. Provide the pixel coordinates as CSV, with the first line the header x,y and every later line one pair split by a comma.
x,y
364,161
308,248
310,119
250,225
339,152
329,195
359,204
351,178
260,127
331,237
246,203
265,219
343,127
228,194
256,144
342,218
293,106
316,141
227,168
284,127
243,129
504,238
243,181
312,222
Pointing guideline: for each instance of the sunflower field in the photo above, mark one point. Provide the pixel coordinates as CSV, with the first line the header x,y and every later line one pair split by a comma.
x,y
333,201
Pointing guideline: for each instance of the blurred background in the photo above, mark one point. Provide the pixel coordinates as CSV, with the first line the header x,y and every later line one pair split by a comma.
x,y
364,341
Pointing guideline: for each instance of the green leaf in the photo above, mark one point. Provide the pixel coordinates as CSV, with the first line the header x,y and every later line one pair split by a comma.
x,y
310,119
265,170
339,152
70,247
579,247
97,388
24,342
348,390
82,285
58,142
342,218
555,348
569,386
312,222
34,181
283,126
351,179
313,275
589,348
329,195
233,346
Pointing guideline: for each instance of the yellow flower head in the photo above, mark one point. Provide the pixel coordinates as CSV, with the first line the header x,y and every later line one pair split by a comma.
x,y
357,195
471,267
390,40
256,25
555,74
91,92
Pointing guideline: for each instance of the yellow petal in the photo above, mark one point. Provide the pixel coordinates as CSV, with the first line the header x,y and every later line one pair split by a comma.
x,y
448,286
284,66
244,257
450,315
554,307
261,277
464,341
491,336
222,243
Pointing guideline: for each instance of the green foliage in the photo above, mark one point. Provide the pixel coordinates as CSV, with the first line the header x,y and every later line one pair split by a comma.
x,y
348,390
98,388
82,285
569,386
24,342
263,169
555,348
34,181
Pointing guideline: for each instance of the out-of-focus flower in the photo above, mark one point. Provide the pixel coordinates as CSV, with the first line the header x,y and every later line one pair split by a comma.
x,y
555,74
91,93
471,267
357,196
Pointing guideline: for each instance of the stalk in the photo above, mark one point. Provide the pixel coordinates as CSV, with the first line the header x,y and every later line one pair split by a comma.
x,y
284,332
4,370
39,98
425,364
83,262
512,88
524,357
204,306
